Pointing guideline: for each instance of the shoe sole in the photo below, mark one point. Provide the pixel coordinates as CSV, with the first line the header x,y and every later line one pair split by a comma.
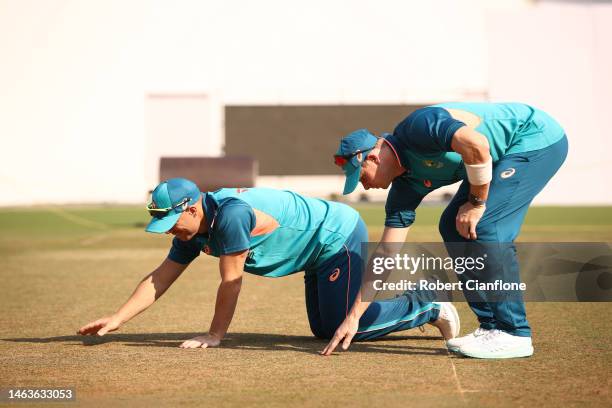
x,y
519,353
453,310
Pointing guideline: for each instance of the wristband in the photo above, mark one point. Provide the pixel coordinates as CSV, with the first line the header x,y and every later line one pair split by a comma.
x,y
479,174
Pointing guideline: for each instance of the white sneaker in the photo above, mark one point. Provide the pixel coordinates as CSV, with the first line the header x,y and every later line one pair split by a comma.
x,y
454,344
448,321
498,344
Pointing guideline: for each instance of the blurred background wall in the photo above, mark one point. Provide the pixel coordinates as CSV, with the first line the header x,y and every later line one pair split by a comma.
x,y
94,92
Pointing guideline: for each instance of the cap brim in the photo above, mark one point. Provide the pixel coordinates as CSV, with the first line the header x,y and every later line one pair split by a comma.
x,y
163,225
352,180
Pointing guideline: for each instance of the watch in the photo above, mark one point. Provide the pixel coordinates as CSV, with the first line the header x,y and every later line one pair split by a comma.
x,y
476,201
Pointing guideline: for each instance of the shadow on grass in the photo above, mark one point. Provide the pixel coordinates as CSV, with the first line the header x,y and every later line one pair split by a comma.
x,y
245,341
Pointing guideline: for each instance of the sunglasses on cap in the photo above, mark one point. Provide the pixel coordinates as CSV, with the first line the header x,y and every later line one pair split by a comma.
x,y
161,212
342,159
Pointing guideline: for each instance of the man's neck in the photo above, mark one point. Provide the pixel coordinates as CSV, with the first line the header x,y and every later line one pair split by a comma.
x,y
203,224
394,167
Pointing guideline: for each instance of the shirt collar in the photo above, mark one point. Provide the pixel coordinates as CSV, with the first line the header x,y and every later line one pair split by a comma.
x,y
210,209
389,141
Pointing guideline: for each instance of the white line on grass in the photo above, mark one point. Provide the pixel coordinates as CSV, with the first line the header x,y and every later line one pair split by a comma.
x,y
17,188
457,382
83,222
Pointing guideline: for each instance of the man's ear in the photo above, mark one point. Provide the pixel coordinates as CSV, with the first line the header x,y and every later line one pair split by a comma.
x,y
193,210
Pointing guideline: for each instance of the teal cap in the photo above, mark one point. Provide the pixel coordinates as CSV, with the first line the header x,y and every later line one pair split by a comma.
x,y
351,154
168,201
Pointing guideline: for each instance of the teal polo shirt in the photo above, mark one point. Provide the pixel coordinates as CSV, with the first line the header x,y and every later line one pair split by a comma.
x,y
284,232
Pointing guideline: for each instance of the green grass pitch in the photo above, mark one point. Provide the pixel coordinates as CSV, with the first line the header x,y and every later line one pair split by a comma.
x,y
64,266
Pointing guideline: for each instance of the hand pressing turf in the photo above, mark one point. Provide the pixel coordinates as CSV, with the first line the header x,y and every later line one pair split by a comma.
x,y
207,340
101,326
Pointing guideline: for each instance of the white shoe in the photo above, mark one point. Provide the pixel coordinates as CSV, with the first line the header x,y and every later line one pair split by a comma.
x,y
498,344
448,321
454,344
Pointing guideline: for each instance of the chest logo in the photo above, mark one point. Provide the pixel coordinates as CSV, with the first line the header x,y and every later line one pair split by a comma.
x,y
427,183
433,164
334,275
507,173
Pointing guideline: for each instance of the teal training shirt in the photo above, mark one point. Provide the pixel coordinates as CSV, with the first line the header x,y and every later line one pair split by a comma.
x,y
512,127
284,232
422,144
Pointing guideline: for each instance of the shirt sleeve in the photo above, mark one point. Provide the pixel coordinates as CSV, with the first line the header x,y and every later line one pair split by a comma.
x,y
233,225
183,252
401,204
428,130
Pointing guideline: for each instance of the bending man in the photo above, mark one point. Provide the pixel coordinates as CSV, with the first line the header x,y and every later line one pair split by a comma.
x,y
505,154
270,233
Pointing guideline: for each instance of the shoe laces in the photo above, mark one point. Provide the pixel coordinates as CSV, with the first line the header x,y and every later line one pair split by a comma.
x,y
492,333
481,332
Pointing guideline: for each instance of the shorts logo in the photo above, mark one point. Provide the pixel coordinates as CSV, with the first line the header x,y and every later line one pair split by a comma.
x,y
334,275
427,183
507,173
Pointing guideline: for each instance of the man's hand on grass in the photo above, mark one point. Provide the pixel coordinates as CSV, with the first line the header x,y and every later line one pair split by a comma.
x,y
344,334
101,326
203,341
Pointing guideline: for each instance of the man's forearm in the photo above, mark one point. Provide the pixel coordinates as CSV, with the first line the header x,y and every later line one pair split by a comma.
x,y
227,298
390,244
144,296
150,289
475,151
359,307
479,194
